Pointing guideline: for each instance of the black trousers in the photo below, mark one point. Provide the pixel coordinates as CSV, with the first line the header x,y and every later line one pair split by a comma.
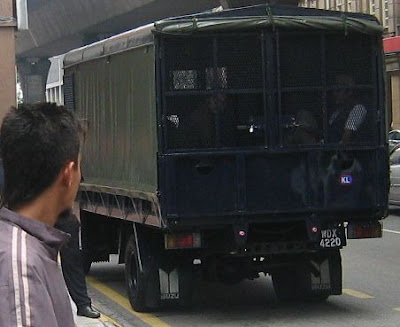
x,y
71,261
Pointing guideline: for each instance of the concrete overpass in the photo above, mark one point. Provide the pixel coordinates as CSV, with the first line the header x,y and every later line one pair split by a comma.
x,y
57,26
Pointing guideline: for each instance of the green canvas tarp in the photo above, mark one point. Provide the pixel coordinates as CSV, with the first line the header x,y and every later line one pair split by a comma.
x,y
194,24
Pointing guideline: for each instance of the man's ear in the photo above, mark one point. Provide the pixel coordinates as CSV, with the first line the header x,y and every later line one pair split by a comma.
x,y
67,173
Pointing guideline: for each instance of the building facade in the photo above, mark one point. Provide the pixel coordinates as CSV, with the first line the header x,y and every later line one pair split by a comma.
x,y
54,85
388,13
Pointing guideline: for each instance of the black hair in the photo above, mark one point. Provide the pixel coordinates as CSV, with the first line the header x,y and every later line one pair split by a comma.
x,y
36,142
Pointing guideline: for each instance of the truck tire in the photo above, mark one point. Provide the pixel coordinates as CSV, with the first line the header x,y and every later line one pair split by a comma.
x,y
141,280
160,278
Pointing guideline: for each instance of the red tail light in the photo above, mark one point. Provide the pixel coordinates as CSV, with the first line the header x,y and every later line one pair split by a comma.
x,y
364,230
182,241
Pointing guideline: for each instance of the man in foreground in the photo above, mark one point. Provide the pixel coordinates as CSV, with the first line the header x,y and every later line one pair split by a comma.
x,y
40,148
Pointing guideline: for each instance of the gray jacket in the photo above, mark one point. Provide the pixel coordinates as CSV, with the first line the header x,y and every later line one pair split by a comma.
x,y
32,288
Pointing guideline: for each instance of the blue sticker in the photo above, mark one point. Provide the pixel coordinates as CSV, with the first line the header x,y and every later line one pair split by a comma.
x,y
346,179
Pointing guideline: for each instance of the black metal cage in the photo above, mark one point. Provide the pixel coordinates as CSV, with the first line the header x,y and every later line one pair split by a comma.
x,y
271,123
268,89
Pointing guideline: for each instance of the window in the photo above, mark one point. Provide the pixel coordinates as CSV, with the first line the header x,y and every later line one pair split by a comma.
x,y
327,4
372,8
385,17
339,5
350,6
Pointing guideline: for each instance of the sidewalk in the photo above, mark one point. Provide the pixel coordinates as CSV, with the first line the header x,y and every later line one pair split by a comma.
x,y
103,321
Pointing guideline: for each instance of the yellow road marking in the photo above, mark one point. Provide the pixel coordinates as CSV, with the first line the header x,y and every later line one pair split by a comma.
x,y
105,318
397,309
357,294
124,302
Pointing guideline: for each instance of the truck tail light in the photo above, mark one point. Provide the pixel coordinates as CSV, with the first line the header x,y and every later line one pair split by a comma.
x,y
182,241
364,230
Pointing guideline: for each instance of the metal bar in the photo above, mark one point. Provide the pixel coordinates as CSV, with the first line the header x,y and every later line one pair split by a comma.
x,y
161,89
271,91
279,87
211,92
374,78
270,151
119,205
152,217
214,86
325,119
120,191
264,63
241,181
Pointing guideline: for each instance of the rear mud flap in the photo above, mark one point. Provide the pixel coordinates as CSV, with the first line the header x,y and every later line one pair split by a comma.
x,y
326,275
320,281
169,284
176,285
313,279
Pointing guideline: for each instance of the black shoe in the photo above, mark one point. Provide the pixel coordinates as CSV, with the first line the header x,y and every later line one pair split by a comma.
x,y
88,311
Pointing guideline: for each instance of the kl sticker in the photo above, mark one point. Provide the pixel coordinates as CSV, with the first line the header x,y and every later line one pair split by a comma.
x,y
346,179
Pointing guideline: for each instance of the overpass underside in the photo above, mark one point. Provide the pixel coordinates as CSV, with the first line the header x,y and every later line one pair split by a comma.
x,y
57,26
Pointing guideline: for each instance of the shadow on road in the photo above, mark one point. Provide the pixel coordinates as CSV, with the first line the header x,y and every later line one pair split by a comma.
x,y
394,210
249,303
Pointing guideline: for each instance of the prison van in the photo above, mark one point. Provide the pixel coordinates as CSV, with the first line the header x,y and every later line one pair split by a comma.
x,y
226,145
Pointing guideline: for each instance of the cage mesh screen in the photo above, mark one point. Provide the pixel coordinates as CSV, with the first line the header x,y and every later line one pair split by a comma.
x,y
349,55
187,60
302,118
219,111
300,60
350,116
350,108
241,57
212,121
250,124
216,96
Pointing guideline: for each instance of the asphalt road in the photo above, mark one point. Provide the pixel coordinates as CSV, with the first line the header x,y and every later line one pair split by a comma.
x,y
371,298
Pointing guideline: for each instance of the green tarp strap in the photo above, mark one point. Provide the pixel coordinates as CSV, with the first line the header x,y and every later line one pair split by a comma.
x,y
346,31
271,17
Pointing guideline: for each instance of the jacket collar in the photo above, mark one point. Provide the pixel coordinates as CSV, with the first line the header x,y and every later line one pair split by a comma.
x,y
51,236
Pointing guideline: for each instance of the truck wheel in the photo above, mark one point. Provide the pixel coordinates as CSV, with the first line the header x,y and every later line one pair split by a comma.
x,y
141,281
153,277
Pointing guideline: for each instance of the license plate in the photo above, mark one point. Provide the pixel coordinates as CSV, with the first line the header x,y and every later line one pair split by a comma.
x,y
331,238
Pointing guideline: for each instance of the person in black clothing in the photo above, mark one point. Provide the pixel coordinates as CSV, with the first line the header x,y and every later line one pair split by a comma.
x,y
71,264
210,124
348,118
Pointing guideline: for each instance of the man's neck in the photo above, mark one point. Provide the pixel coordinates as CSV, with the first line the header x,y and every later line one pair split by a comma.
x,y
40,209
